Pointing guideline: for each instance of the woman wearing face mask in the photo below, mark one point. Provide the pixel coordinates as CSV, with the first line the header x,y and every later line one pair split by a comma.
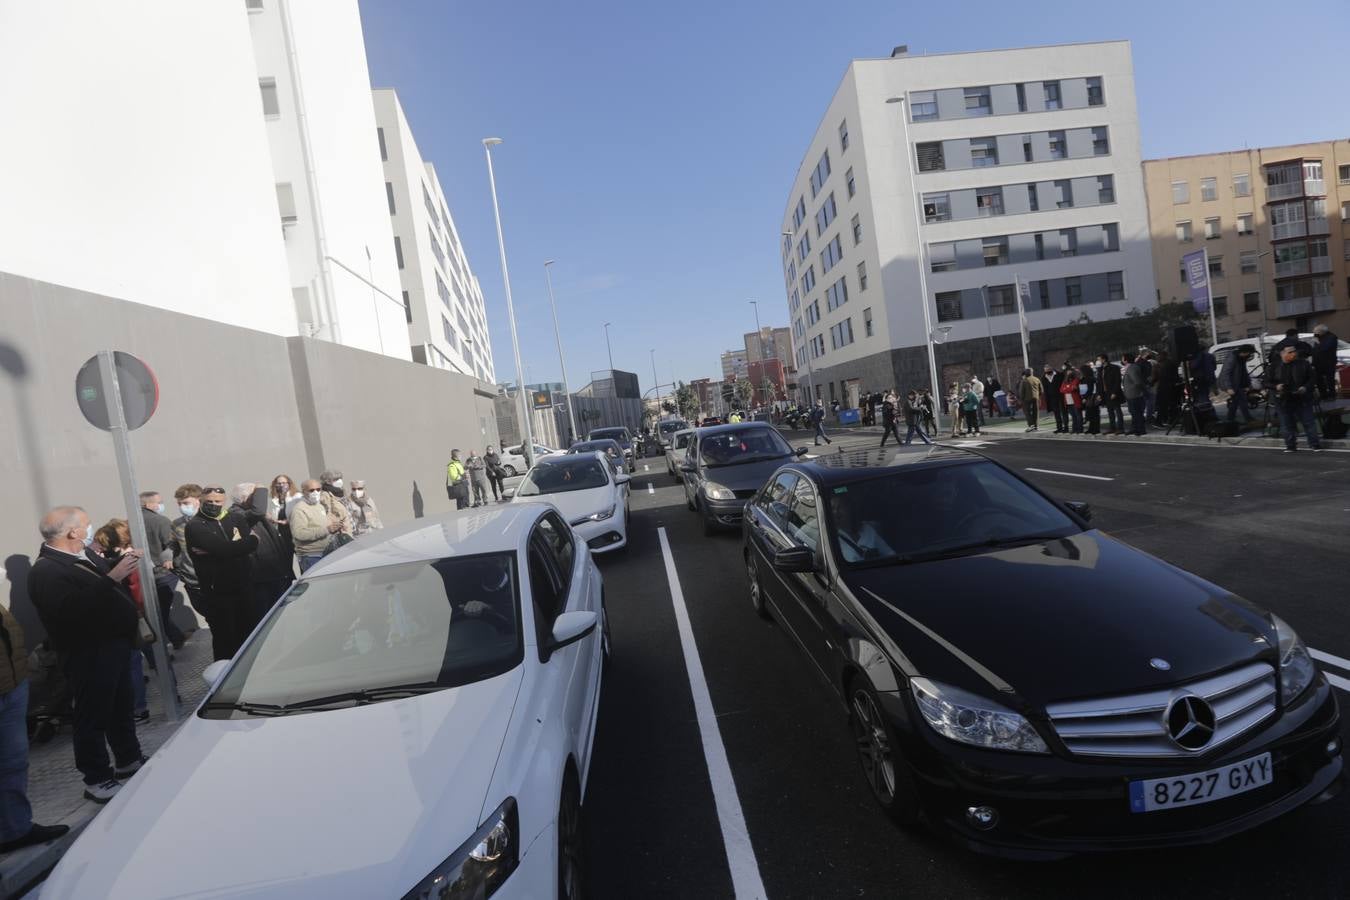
x,y
281,499
111,542
365,517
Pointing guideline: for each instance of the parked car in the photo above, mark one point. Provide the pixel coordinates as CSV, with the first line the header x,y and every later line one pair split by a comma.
x,y
622,436
588,491
713,420
418,710
1023,681
675,452
513,458
725,465
609,447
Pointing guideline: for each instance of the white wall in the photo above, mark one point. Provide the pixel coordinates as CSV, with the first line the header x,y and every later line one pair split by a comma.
x,y
134,162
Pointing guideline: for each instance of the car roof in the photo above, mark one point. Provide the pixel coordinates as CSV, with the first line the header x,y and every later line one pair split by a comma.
x,y
857,465
733,426
586,446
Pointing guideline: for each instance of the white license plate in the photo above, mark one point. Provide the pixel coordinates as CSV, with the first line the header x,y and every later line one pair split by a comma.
x,y
1201,787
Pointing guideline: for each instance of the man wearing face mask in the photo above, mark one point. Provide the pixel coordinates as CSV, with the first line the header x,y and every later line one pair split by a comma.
x,y
496,474
159,547
188,498
222,545
315,519
92,622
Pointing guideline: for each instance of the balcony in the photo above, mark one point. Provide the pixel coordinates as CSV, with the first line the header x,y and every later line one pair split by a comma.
x,y
1318,226
1314,187
1280,231
1319,264
1303,306
1289,268
1283,190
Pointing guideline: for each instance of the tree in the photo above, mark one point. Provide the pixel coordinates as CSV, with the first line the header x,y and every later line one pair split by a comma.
x,y
686,401
1137,329
743,391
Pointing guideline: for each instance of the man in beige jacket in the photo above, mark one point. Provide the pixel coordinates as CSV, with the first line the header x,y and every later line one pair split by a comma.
x,y
314,520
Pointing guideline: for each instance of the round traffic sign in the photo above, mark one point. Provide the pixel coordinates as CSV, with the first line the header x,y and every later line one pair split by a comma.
x,y
137,385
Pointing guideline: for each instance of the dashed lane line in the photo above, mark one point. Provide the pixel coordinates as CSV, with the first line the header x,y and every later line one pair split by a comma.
x,y
650,489
745,879
1069,474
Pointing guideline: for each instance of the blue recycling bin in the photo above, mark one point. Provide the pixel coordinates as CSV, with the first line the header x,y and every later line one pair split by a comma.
x,y
850,416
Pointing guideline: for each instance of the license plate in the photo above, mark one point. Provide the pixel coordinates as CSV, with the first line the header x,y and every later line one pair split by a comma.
x,y
1201,787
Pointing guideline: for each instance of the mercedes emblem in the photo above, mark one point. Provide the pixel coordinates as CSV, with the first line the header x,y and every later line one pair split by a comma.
x,y
1160,664
1190,722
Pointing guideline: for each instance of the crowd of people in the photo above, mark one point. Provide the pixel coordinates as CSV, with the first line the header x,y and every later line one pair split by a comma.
x,y
467,481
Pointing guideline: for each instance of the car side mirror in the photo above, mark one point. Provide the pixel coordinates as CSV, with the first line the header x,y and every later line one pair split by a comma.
x,y
1080,508
571,627
622,479
688,467
795,559
802,451
211,674
508,493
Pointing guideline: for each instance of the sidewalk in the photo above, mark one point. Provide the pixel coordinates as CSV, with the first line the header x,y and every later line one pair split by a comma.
x,y
54,786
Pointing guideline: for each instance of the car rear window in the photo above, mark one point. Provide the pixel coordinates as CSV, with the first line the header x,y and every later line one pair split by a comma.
x,y
741,445
559,475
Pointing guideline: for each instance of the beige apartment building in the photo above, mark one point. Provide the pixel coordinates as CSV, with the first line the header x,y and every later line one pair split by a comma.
x,y
1276,223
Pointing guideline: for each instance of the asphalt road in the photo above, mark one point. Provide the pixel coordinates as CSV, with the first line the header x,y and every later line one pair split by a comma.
x,y
1268,526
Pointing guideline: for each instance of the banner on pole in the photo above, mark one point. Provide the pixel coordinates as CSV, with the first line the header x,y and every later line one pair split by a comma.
x,y
1197,279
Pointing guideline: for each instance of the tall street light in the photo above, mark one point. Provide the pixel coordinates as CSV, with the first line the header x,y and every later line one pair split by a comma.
x,y
759,336
610,350
656,383
989,326
557,335
918,238
528,447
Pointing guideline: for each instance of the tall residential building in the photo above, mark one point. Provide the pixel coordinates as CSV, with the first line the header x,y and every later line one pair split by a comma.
x,y
734,364
776,343
1276,224
1026,167
447,323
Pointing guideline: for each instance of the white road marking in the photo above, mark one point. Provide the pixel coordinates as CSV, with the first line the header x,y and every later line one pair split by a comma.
x,y
1337,661
650,489
745,879
644,468
1069,474
1338,681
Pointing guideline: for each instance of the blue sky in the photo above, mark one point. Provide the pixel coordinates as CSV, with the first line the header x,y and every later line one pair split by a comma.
x,y
648,146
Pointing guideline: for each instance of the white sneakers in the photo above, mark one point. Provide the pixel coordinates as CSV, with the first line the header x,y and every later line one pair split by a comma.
x,y
102,793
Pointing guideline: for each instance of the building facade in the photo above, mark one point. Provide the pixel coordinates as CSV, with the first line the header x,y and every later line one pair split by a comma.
x,y
734,364
769,343
1026,171
443,303
1276,224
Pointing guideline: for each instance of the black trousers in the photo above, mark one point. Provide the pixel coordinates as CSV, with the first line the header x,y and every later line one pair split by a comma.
x,y
1061,416
496,482
164,593
230,612
100,686
890,430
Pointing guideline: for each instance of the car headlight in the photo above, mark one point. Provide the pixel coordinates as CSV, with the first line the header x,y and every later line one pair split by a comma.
x,y
1296,666
971,719
482,863
715,491
602,515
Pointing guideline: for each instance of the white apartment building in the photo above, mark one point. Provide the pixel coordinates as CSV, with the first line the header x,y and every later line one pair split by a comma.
x,y
1026,168
447,322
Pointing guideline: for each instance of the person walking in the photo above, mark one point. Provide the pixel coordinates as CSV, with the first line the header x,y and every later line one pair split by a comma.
x,y
1029,394
91,620
818,419
159,547
1235,380
17,828
478,478
1111,393
1325,344
992,388
1092,408
495,473
222,546
188,497
273,567
970,408
927,420
913,419
1133,386
1294,382
1072,400
888,418
315,522
361,509
456,483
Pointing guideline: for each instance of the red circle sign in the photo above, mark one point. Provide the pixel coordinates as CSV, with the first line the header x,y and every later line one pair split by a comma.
x,y
137,386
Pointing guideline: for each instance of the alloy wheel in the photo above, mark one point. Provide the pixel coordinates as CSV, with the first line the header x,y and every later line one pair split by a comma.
x,y
756,592
874,746
570,847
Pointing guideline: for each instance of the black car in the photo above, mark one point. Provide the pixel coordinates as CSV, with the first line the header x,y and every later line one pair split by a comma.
x,y
1023,680
725,465
620,435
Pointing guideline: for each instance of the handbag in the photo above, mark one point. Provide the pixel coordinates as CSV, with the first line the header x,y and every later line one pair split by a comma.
x,y
338,540
144,632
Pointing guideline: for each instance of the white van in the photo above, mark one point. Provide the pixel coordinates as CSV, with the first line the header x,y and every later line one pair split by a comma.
x,y
1264,344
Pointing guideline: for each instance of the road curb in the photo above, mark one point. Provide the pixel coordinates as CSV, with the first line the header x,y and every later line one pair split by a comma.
x,y
1260,441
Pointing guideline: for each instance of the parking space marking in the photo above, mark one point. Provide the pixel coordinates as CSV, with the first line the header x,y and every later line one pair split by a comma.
x,y
650,489
745,878
1069,474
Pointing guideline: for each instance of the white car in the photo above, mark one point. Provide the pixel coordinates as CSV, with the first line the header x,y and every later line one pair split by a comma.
x,y
587,490
513,458
414,718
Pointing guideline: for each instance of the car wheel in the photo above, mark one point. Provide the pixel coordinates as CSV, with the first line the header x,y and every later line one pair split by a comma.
x,y
510,471
571,851
882,765
756,590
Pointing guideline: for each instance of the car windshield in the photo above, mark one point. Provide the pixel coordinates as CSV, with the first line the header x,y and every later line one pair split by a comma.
x,y
742,445
617,434
932,511
378,634
576,473
593,446
682,440
671,427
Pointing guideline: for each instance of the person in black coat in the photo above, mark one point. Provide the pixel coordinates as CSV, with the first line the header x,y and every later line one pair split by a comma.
x,y
888,419
1290,339
1295,386
222,545
273,567
1091,402
1111,394
1235,380
1054,383
1325,343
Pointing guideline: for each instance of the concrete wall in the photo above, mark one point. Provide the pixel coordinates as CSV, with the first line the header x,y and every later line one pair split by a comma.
x,y
235,405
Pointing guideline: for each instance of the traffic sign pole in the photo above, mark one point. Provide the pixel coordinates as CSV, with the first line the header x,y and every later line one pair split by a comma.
x,y
121,435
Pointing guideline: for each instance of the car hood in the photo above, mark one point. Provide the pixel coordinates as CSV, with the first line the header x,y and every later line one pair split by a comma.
x,y
1071,618
575,504
355,802
745,476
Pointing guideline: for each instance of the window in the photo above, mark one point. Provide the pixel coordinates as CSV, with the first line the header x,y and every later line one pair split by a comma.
x,y
798,329
1068,242
1184,232
821,173
436,250
1247,261
857,231
791,272
1181,192
836,295
1216,266
1106,189
449,332
983,152
1110,238
379,136
1115,286
407,307
1033,200
799,213
1244,224
1040,246
833,252
398,251
862,276
1343,174
843,136
867,322
1052,100
1094,91
937,208
1251,302
813,313
804,246
1027,154
808,279
268,87
848,177
989,201
1043,290
1100,145
442,291
1242,185
431,207
1073,291
923,105
1209,189
1002,299
1345,211
977,101
389,195
930,157
1212,230
1183,276
1064,193
841,335
1057,145
1220,306
253,5
286,203
942,257
949,306
825,215
995,251
817,346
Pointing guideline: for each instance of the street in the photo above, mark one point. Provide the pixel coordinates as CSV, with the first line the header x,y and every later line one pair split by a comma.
x,y
662,821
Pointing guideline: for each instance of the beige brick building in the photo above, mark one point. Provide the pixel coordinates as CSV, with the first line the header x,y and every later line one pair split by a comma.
x,y
1276,223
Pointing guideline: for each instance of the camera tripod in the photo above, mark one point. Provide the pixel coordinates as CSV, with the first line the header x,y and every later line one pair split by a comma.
x,y
1187,407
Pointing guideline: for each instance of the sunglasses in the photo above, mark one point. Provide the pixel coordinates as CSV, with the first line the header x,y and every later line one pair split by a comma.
x,y
213,490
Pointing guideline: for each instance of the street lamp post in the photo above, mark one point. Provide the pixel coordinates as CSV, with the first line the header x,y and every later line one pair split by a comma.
x,y
557,335
1261,288
657,382
918,237
989,326
610,350
528,446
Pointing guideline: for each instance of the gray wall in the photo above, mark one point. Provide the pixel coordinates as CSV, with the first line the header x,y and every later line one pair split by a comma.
x,y
235,405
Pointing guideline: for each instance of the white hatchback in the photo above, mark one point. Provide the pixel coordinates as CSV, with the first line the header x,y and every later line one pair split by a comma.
x,y
414,718
513,458
588,491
